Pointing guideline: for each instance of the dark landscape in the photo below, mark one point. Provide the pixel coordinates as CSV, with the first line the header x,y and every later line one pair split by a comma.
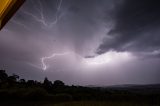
x,y
15,91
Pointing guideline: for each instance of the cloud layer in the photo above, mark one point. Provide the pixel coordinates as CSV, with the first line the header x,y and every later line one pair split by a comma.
x,y
92,30
136,27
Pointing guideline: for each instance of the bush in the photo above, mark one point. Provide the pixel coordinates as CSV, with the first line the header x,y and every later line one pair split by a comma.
x,y
62,97
36,94
24,93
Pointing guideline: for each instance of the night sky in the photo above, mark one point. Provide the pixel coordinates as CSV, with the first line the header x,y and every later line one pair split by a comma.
x,y
84,42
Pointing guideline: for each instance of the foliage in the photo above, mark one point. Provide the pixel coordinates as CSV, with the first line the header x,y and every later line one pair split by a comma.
x,y
14,88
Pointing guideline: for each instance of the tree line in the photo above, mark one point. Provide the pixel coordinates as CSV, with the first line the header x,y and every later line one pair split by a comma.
x,y
14,88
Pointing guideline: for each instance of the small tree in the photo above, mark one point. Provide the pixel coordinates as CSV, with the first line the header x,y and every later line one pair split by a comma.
x,y
13,78
22,81
58,83
3,76
47,84
30,83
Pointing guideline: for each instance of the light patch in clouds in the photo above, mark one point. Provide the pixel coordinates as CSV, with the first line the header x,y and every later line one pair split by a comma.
x,y
111,57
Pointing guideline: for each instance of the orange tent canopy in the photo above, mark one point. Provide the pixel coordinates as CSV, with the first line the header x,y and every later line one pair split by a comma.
x,y
7,10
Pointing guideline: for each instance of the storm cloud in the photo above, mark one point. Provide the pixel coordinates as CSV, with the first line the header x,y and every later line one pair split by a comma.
x,y
136,27
105,42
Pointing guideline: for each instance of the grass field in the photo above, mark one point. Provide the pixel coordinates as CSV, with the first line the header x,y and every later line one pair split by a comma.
x,y
80,103
101,104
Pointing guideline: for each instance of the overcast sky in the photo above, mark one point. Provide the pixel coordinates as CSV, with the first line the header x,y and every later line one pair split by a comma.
x,y
84,42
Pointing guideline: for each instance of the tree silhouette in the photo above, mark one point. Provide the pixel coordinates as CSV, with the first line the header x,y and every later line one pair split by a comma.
x,y
58,83
47,84
13,89
22,81
12,80
31,83
3,76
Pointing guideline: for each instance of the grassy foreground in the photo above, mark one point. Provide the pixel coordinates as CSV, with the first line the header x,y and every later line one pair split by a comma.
x,y
92,103
78,103
19,92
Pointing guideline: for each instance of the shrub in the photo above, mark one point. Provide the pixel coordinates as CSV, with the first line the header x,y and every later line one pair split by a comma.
x,y
62,97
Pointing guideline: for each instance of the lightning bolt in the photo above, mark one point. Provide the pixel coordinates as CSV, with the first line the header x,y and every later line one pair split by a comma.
x,y
41,19
20,24
43,59
93,61
57,16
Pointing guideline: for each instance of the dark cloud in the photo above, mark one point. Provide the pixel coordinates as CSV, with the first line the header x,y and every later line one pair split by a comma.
x,y
136,28
43,27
